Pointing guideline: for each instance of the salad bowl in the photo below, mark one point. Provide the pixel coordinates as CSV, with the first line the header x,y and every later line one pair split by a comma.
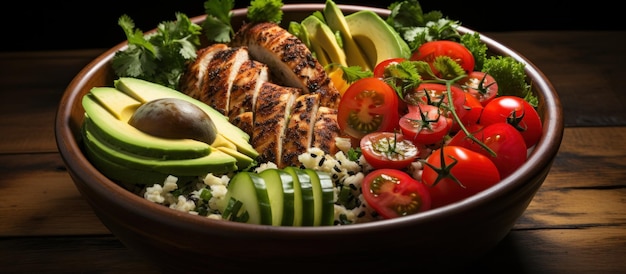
x,y
451,235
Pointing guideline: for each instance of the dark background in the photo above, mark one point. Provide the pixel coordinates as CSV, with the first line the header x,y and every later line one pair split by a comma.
x,y
54,25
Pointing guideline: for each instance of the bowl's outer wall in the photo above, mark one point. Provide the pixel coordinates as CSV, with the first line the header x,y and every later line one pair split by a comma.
x,y
449,235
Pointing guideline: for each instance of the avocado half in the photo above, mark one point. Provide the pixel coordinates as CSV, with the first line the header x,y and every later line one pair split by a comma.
x,y
126,154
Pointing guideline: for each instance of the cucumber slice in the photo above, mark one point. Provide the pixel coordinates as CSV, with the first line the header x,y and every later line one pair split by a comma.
x,y
323,196
249,188
281,195
303,197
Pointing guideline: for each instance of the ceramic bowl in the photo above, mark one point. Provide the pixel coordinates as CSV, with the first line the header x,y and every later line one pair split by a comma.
x,y
182,242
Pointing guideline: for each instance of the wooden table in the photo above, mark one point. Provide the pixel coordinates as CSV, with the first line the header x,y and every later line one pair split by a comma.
x,y
575,224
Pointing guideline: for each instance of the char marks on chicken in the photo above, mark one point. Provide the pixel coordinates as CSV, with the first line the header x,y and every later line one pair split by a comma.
x,y
291,61
268,84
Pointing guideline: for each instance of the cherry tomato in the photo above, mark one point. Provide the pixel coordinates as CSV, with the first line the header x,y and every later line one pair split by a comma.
x,y
424,124
455,173
388,150
393,193
428,51
503,139
517,112
432,94
379,70
368,105
481,85
473,110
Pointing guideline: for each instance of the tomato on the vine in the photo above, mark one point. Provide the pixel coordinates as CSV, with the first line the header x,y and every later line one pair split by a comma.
x,y
428,51
368,105
453,173
388,150
473,110
393,193
503,139
436,94
481,85
379,70
424,124
517,112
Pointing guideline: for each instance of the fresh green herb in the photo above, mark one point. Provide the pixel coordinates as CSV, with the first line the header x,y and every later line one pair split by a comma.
x,y
478,49
511,77
265,11
217,26
157,57
417,27
354,154
353,73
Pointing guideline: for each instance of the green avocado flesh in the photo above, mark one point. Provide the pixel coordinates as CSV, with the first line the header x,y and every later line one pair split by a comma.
x,y
215,162
109,110
337,23
375,37
145,91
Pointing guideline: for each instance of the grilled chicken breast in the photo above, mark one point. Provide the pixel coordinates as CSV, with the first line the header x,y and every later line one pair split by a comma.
x,y
299,132
271,115
290,61
244,121
191,82
244,91
326,129
218,80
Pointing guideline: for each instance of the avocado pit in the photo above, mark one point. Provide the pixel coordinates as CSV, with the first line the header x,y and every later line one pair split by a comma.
x,y
174,118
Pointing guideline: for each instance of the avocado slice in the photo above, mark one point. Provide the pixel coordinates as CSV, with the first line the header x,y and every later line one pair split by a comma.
x,y
216,162
123,174
145,91
108,121
337,23
378,40
324,42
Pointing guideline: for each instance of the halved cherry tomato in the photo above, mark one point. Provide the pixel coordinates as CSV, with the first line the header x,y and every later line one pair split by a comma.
x,y
436,94
517,112
393,193
368,105
503,139
455,173
424,124
481,85
388,150
379,70
428,51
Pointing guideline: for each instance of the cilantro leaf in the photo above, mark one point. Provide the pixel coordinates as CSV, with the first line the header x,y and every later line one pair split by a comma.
x,y
217,24
159,56
265,11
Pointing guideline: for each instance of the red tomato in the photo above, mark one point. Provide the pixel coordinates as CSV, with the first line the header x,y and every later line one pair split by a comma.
x,y
424,124
473,110
517,112
393,193
432,94
428,51
388,150
368,105
455,173
379,70
481,85
503,139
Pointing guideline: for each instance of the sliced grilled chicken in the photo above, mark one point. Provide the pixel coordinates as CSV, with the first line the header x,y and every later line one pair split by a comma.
x,y
326,129
271,116
191,82
299,132
244,121
219,78
290,61
244,91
